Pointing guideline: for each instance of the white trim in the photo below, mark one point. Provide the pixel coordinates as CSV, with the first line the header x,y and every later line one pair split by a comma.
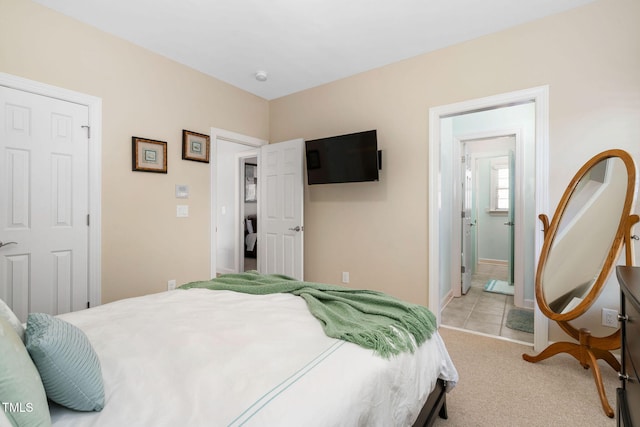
x,y
540,322
482,334
456,237
499,262
237,137
94,104
225,135
446,299
540,95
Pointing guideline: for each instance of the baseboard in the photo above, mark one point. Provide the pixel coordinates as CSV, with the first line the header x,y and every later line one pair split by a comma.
x,y
447,298
493,261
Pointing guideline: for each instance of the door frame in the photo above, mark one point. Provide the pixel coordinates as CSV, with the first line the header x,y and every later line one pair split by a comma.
x,y
540,96
477,137
237,138
94,105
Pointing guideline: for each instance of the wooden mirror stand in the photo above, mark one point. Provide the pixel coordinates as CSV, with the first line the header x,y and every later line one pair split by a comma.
x,y
587,349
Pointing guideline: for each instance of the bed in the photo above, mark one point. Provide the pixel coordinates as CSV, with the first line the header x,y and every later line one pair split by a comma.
x,y
201,357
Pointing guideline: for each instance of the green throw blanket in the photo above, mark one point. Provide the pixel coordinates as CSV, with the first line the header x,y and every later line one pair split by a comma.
x,y
369,319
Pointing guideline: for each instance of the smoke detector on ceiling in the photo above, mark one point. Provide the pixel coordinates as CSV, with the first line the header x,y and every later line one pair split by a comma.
x,y
261,76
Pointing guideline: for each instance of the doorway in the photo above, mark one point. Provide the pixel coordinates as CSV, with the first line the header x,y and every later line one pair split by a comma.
x,y
490,201
279,204
441,175
485,300
229,151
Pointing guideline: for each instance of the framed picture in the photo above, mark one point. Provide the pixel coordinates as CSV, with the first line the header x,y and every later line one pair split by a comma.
x,y
148,155
195,146
250,182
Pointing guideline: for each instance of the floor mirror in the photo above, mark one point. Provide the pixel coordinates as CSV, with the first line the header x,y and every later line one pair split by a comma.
x,y
582,242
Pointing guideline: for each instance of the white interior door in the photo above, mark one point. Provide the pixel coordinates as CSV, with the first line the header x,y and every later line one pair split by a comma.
x,y
467,224
44,203
281,230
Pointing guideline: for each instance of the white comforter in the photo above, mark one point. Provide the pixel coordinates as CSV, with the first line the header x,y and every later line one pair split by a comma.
x,y
219,358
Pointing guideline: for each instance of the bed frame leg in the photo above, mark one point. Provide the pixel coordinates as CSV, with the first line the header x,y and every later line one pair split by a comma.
x,y
436,404
443,411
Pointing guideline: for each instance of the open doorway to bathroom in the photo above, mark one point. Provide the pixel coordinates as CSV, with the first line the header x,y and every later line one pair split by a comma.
x,y
441,215
488,201
488,205
522,113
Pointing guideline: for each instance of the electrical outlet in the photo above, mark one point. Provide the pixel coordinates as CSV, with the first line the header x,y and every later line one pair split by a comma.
x,y
345,277
171,285
182,211
609,318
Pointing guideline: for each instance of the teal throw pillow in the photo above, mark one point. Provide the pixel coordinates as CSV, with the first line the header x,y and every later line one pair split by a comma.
x,y
22,396
68,365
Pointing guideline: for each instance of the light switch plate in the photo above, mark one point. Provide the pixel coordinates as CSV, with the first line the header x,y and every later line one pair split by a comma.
x,y
182,191
182,211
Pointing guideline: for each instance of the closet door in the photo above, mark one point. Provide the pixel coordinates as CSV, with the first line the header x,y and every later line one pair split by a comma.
x,y
44,200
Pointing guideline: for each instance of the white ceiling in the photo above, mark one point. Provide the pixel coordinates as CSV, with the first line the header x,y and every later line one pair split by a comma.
x,y
299,43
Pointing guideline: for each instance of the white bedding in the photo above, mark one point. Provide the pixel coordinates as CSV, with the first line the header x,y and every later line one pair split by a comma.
x,y
218,358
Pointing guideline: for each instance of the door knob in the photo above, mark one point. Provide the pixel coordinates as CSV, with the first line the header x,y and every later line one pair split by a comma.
x,y
296,228
508,223
8,243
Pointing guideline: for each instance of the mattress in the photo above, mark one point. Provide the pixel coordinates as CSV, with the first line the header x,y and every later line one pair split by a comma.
x,y
219,358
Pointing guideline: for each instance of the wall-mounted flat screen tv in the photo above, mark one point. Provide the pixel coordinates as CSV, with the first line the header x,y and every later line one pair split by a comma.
x,y
345,158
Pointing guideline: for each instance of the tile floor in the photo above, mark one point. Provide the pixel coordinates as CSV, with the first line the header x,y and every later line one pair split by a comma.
x,y
482,311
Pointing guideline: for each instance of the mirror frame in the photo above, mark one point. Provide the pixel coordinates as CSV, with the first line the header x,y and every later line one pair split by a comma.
x,y
616,246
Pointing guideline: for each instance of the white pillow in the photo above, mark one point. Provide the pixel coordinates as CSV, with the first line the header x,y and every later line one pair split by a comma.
x,y
4,421
12,319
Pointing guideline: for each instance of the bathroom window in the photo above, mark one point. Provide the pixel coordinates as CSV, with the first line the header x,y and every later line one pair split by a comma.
x,y
500,185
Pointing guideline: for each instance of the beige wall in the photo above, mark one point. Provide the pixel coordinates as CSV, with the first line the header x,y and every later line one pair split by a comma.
x,y
143,94
589,57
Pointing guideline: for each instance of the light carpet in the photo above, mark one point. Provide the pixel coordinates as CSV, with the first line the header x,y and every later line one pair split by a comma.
x,y
499,287
498,388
